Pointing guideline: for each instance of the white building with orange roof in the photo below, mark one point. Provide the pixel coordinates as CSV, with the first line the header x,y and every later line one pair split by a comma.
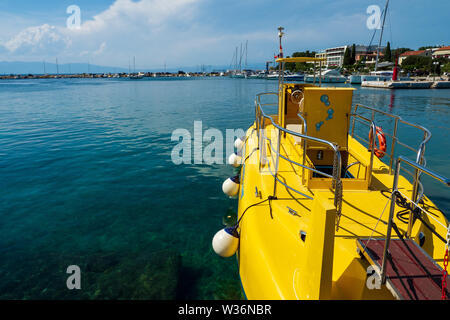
x,y
423,53
442,52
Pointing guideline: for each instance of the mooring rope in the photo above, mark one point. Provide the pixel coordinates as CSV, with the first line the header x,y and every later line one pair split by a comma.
x,y
423,210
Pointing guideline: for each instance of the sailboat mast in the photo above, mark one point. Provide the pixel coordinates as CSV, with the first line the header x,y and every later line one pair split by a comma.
x,y
381,35
232,61
236,65
240,60
246,53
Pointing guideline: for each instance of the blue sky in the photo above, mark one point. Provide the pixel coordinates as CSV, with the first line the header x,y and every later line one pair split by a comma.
x,y
194,32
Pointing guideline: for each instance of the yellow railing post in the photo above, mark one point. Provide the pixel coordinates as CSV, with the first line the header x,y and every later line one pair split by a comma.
x,y
316,280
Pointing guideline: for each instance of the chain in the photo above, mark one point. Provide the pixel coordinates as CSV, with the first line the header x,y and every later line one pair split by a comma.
x,y
444,271
444,275
335,177
338,202
337,186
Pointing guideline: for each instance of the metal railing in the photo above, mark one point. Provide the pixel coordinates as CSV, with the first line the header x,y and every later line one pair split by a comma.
x,y
420,151
418,168
260,120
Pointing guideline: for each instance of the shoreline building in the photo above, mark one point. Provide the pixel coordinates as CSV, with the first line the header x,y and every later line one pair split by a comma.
x,y
442,52
434,53
321,54
368,54
335,56
422,53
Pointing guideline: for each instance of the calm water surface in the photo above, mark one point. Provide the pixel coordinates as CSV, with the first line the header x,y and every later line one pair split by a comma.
x,y
86,179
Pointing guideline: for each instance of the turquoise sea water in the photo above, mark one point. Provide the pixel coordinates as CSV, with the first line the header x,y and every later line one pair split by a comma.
x,y
86,178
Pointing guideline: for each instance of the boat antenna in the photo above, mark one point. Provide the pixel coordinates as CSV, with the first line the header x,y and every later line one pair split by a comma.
x,y
381,35
280,35
280,65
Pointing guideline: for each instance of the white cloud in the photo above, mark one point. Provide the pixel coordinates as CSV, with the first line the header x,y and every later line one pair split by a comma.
x,y
35,40
101,49
125,25
151,30
178,32
128,13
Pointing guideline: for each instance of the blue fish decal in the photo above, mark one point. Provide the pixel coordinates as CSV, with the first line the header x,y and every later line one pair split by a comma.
x,y
318,125
325,100
330,114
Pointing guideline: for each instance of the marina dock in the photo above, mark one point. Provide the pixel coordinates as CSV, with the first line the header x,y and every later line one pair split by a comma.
x,y
406,84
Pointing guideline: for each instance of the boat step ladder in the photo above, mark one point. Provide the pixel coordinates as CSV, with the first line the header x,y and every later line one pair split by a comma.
x,y
411,274
403,266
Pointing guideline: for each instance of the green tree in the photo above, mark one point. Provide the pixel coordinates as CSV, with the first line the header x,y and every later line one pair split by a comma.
x,y
446,67
353,61
387,53
437,69
437,63
418,64
399,51
427,47
300,66
347,58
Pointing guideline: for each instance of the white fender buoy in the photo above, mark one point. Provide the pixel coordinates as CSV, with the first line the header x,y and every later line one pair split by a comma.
x,y
231,186
235,160
239,143
225,242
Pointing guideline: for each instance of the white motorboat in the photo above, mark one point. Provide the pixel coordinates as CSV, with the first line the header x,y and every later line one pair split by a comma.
x,y
374,76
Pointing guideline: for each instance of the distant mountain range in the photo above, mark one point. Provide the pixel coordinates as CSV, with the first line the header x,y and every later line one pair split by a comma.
x,y
18,67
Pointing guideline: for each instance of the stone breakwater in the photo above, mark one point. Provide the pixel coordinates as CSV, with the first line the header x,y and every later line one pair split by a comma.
x,y
109,75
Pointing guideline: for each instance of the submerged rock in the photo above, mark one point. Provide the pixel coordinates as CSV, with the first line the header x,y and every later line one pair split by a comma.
x,y
152,276
131,276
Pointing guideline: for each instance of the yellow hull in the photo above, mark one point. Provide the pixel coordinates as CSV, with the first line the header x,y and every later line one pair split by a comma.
x,y
289,246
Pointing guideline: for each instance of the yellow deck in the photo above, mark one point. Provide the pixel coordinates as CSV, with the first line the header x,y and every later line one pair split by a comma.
x,y
275,263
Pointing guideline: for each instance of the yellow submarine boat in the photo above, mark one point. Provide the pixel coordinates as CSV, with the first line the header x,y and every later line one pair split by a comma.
x,y
320,215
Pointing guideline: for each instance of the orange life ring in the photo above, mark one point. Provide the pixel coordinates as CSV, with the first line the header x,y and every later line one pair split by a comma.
x,y
380,150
